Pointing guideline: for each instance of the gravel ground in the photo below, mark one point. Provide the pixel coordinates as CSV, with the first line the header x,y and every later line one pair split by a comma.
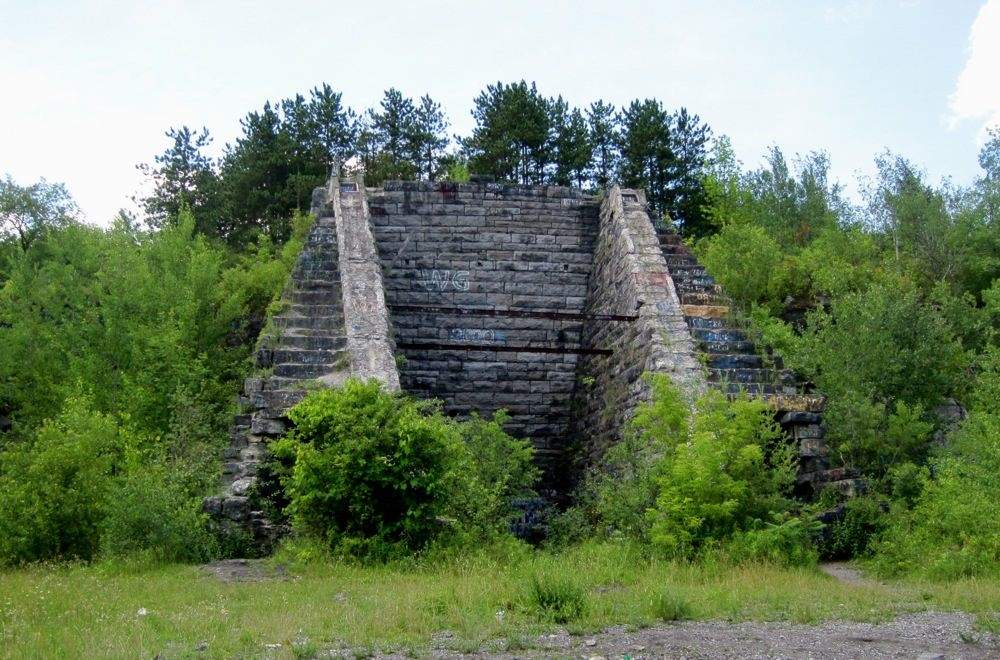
x,y
926,635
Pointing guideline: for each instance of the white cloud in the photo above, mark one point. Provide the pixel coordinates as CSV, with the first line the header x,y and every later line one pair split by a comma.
x,y
977,92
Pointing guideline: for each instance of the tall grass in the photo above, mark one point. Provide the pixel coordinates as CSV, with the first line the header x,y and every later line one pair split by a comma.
x,y
459,603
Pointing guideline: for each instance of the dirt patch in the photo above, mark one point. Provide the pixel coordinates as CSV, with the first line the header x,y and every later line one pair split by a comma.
x,y
928,635
846,573
245,570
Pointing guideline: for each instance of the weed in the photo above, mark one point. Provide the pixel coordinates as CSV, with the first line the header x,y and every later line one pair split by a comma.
x,y
669,606
557,599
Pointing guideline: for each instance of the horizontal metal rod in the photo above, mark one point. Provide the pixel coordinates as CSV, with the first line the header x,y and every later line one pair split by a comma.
x,y
502,348
514,313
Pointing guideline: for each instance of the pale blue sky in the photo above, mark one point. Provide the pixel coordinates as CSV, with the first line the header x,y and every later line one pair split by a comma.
x,y
90,87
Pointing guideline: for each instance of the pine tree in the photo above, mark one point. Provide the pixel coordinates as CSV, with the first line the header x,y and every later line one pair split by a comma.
x,y
571,148
603,122
388,151
183,175
429,139
646,156
511,138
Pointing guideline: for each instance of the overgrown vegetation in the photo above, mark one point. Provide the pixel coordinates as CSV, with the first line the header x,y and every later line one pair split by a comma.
x,y
124,347
379,475
892,310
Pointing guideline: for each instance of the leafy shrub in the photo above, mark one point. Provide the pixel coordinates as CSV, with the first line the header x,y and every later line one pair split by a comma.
x,y
55,486
788,541
863,520
953,528
556,598
379,475
729,472
149,513
693,481
749,265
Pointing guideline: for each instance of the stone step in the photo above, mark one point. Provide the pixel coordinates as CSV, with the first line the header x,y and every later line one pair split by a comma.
x,y
731,347
324,356
302,370
675,249
698,289
746,375
313,272
796,403
752,389
330,296
275,403
309,322
701,298
719,334
706,311
704,322
313,309
734,361
312,342
680,260
703,282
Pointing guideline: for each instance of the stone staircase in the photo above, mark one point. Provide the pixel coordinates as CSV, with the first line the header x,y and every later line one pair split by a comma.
x,y
735,365
303,346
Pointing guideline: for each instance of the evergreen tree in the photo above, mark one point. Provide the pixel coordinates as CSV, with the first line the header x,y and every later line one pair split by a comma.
x,y
571,148
255,173
183,175
510,141
603,121
685,194
388,148
334,127
646,155
429,139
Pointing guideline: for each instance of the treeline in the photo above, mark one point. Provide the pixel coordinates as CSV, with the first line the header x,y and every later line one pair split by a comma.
x,y
288,148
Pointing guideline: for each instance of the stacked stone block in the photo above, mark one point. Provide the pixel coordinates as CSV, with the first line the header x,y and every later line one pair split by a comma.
x,y
487,285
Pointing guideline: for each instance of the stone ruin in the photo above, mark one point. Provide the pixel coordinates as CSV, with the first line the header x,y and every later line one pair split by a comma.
x,y
541,300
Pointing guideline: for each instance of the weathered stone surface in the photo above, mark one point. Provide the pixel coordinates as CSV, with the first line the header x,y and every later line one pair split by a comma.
x,y
534,299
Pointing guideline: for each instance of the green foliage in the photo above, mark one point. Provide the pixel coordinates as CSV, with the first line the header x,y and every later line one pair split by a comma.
x,y
511,138
556,598
691,482
883,357
378,475
27,212
151,513
56,486
863,520
668,606
748,263
731,472
952,528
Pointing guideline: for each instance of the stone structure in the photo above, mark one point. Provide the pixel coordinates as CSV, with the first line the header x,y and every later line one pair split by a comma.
x,y
542,300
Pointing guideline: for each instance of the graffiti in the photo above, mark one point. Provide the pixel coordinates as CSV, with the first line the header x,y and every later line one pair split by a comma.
x,y
441,280
476,334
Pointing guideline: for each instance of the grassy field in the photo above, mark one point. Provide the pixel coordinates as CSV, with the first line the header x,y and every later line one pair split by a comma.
x,y
506,600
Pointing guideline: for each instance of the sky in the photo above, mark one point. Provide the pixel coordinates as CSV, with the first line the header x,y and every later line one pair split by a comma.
x,y
90,87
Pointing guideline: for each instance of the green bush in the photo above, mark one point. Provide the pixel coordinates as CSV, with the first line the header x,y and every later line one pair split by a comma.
x,y
150,514
702,480
55,486
953,527
863,520
379,475
557,599
750,265
729,472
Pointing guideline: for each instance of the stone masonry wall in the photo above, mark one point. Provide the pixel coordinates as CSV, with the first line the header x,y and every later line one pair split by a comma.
x,y
636,313
486,285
